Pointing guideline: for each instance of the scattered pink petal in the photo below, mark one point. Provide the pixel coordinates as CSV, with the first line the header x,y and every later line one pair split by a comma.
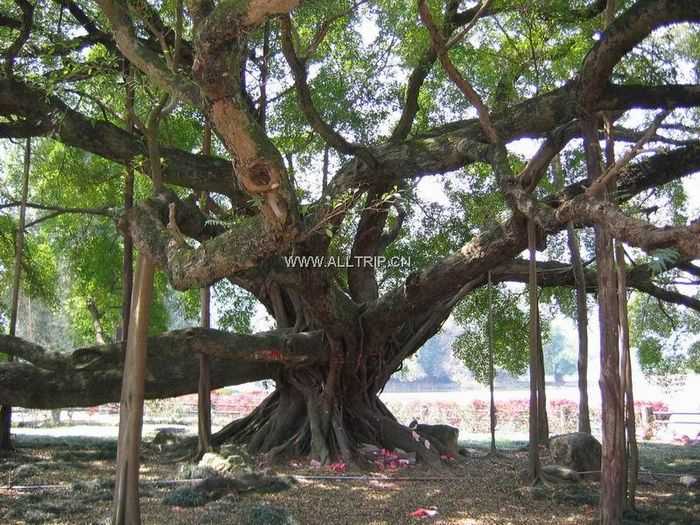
x,y
338,467
421,513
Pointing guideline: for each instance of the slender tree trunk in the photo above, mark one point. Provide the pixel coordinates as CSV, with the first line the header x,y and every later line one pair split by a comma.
x,y
204,392
612,468
324,169
6,410
492,406
126,506
632,456
100,335
126,488
534,468
128,258
613,429
584,421
542,419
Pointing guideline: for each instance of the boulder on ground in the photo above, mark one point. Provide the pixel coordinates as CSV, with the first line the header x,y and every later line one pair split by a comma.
x,y
688,481
215,462
578,451
169,437
443,437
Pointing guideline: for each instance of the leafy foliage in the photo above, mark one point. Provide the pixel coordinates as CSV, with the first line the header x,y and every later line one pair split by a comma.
x,y
665,337
510,333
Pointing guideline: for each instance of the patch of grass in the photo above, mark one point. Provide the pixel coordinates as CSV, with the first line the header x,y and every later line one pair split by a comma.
x,y
479,442
267,515
186,497
670,459
100,454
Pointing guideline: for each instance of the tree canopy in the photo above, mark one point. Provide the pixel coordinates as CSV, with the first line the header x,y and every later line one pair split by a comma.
x,y
333,122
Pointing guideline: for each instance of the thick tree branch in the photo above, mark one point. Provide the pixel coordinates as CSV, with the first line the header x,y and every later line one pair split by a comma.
x,y
554,273
635,232
8,21
144,58
47,115
455,145
420,73
220,43
320,126
27,9
503,242
233,251
628,30
92,376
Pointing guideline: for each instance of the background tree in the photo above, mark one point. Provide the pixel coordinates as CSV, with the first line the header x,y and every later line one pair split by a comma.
x,y
559,358
6,410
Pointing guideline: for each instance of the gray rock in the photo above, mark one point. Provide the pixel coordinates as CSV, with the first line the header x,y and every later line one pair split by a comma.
x,y
215,462
169,437
444,437
578,451
688,481
194,471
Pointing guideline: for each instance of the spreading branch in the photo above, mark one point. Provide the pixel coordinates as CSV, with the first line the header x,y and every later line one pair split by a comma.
x,y
92,375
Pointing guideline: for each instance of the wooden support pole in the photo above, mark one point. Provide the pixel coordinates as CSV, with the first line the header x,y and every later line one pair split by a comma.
x,y
584,421
492,406
632,450
128,257
534,467
125,510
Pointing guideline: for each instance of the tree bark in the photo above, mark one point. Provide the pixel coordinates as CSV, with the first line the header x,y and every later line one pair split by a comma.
x,y
126,509
584,421
204,390
534,467
100,336
632,451
93,375
542,419
6,410
492,405
128,258
612,469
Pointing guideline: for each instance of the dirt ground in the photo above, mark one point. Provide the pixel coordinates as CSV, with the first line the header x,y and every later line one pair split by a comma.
x,y
482,491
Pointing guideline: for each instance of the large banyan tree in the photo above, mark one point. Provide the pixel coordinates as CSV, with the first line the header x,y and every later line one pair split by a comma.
x,y
325,116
